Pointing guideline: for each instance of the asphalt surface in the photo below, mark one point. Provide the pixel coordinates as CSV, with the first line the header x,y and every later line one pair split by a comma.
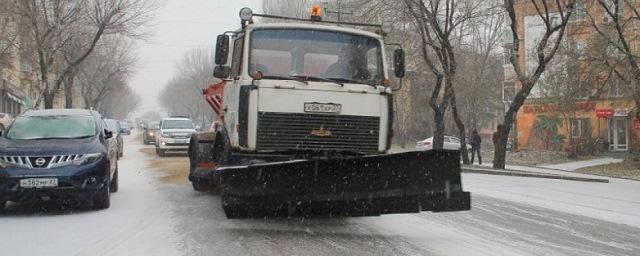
x,y
150,217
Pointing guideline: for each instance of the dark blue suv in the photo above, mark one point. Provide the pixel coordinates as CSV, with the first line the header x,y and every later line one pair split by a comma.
x,y
58,154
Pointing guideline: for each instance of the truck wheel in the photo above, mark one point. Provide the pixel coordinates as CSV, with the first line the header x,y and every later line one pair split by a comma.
x,y
220,154
102,200
234,210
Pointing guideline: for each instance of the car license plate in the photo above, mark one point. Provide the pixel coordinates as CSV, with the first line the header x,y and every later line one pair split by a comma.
x,y
39,183
322,107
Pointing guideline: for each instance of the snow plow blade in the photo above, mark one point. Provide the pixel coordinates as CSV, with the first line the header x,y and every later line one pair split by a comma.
x,y
353,186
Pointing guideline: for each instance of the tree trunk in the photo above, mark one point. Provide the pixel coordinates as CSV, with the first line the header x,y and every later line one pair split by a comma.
x,y
48,99
461,131
503,134
438,133
68,90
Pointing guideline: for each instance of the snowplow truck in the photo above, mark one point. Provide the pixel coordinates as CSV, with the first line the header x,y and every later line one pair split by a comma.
x,y
303,127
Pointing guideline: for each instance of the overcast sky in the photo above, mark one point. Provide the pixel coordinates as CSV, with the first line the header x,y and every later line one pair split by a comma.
x,y
181,25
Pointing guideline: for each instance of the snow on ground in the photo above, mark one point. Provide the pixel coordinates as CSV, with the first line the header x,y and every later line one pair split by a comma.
x,y
617,201
509,216
572,166
137,223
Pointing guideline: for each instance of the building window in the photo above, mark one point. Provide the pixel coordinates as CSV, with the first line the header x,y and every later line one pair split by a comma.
x,y
508,90
579,13
616,88
579,128
506,56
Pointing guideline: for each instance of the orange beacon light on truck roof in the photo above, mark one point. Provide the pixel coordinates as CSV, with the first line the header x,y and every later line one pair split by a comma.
x,y
316,12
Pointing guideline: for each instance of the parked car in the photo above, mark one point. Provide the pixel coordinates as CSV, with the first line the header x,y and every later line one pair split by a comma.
x,y
5,121
114,126
175,133
125,128
58,153
450,142
150,131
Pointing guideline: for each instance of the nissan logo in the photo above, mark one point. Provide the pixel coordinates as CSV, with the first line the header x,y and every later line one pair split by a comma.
x,y
40,161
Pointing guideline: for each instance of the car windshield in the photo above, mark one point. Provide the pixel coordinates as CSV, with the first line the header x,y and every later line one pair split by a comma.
x,y
52,127
154,125
316,53
177,124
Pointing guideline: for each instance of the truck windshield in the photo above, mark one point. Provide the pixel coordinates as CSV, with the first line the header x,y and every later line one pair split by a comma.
x,y
316,53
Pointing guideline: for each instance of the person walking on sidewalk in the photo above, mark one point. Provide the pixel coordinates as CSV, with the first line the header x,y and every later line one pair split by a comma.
x,y
475,145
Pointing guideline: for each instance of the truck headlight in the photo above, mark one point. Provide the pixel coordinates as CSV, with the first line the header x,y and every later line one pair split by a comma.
x,y
88,158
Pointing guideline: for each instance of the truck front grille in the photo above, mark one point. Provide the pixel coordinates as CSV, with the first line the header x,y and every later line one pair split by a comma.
x,y
317,132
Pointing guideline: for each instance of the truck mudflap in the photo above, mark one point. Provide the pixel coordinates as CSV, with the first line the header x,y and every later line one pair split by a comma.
x,y
351,186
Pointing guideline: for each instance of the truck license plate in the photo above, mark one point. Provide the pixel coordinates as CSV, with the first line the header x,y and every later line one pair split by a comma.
x,y
322,107
39,183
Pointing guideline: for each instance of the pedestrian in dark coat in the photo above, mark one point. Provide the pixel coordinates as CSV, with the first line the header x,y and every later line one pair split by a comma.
x,y
475,145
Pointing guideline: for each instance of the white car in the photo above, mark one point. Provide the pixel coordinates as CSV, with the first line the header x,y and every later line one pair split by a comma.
x,y
174,135
450,142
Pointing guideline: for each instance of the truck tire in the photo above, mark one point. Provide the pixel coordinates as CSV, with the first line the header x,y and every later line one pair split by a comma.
x,y
201,152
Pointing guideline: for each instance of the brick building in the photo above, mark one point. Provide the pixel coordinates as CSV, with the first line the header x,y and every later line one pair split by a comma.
x,y
602,120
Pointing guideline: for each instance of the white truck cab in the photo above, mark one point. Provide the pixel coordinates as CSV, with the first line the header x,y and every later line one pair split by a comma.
x,y
306,87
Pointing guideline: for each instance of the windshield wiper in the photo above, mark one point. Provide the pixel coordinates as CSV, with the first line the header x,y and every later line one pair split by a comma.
x,y
352,81
329,80
294,78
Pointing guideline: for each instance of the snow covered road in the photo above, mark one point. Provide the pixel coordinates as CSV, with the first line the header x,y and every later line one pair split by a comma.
x,y
509,216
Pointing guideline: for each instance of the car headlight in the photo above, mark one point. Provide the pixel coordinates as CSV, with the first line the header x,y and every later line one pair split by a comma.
x,y
150,134
88,158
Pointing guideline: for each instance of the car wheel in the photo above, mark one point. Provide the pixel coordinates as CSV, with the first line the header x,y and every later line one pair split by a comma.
x,y
1,128
113,186
102,200
3,204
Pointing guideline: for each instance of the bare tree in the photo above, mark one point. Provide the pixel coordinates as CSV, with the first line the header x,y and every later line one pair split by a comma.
x,y
616,23
182,95
107,70
549,12
437,23
54,24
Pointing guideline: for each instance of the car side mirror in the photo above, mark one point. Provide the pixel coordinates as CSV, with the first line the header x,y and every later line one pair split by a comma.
x,y
222,49
398,63
108,134
221,72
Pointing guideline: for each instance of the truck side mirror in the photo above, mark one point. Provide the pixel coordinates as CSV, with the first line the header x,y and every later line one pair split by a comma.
x,y
221,72
398,62
222,49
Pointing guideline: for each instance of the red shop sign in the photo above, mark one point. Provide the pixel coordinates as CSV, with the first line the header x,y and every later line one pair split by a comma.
x,y
636,124
604,112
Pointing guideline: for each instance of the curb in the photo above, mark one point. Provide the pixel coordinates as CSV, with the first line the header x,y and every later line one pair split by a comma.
x,y
531,175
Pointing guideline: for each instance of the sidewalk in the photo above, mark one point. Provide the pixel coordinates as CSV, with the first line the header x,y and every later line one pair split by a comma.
x,y
572,166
